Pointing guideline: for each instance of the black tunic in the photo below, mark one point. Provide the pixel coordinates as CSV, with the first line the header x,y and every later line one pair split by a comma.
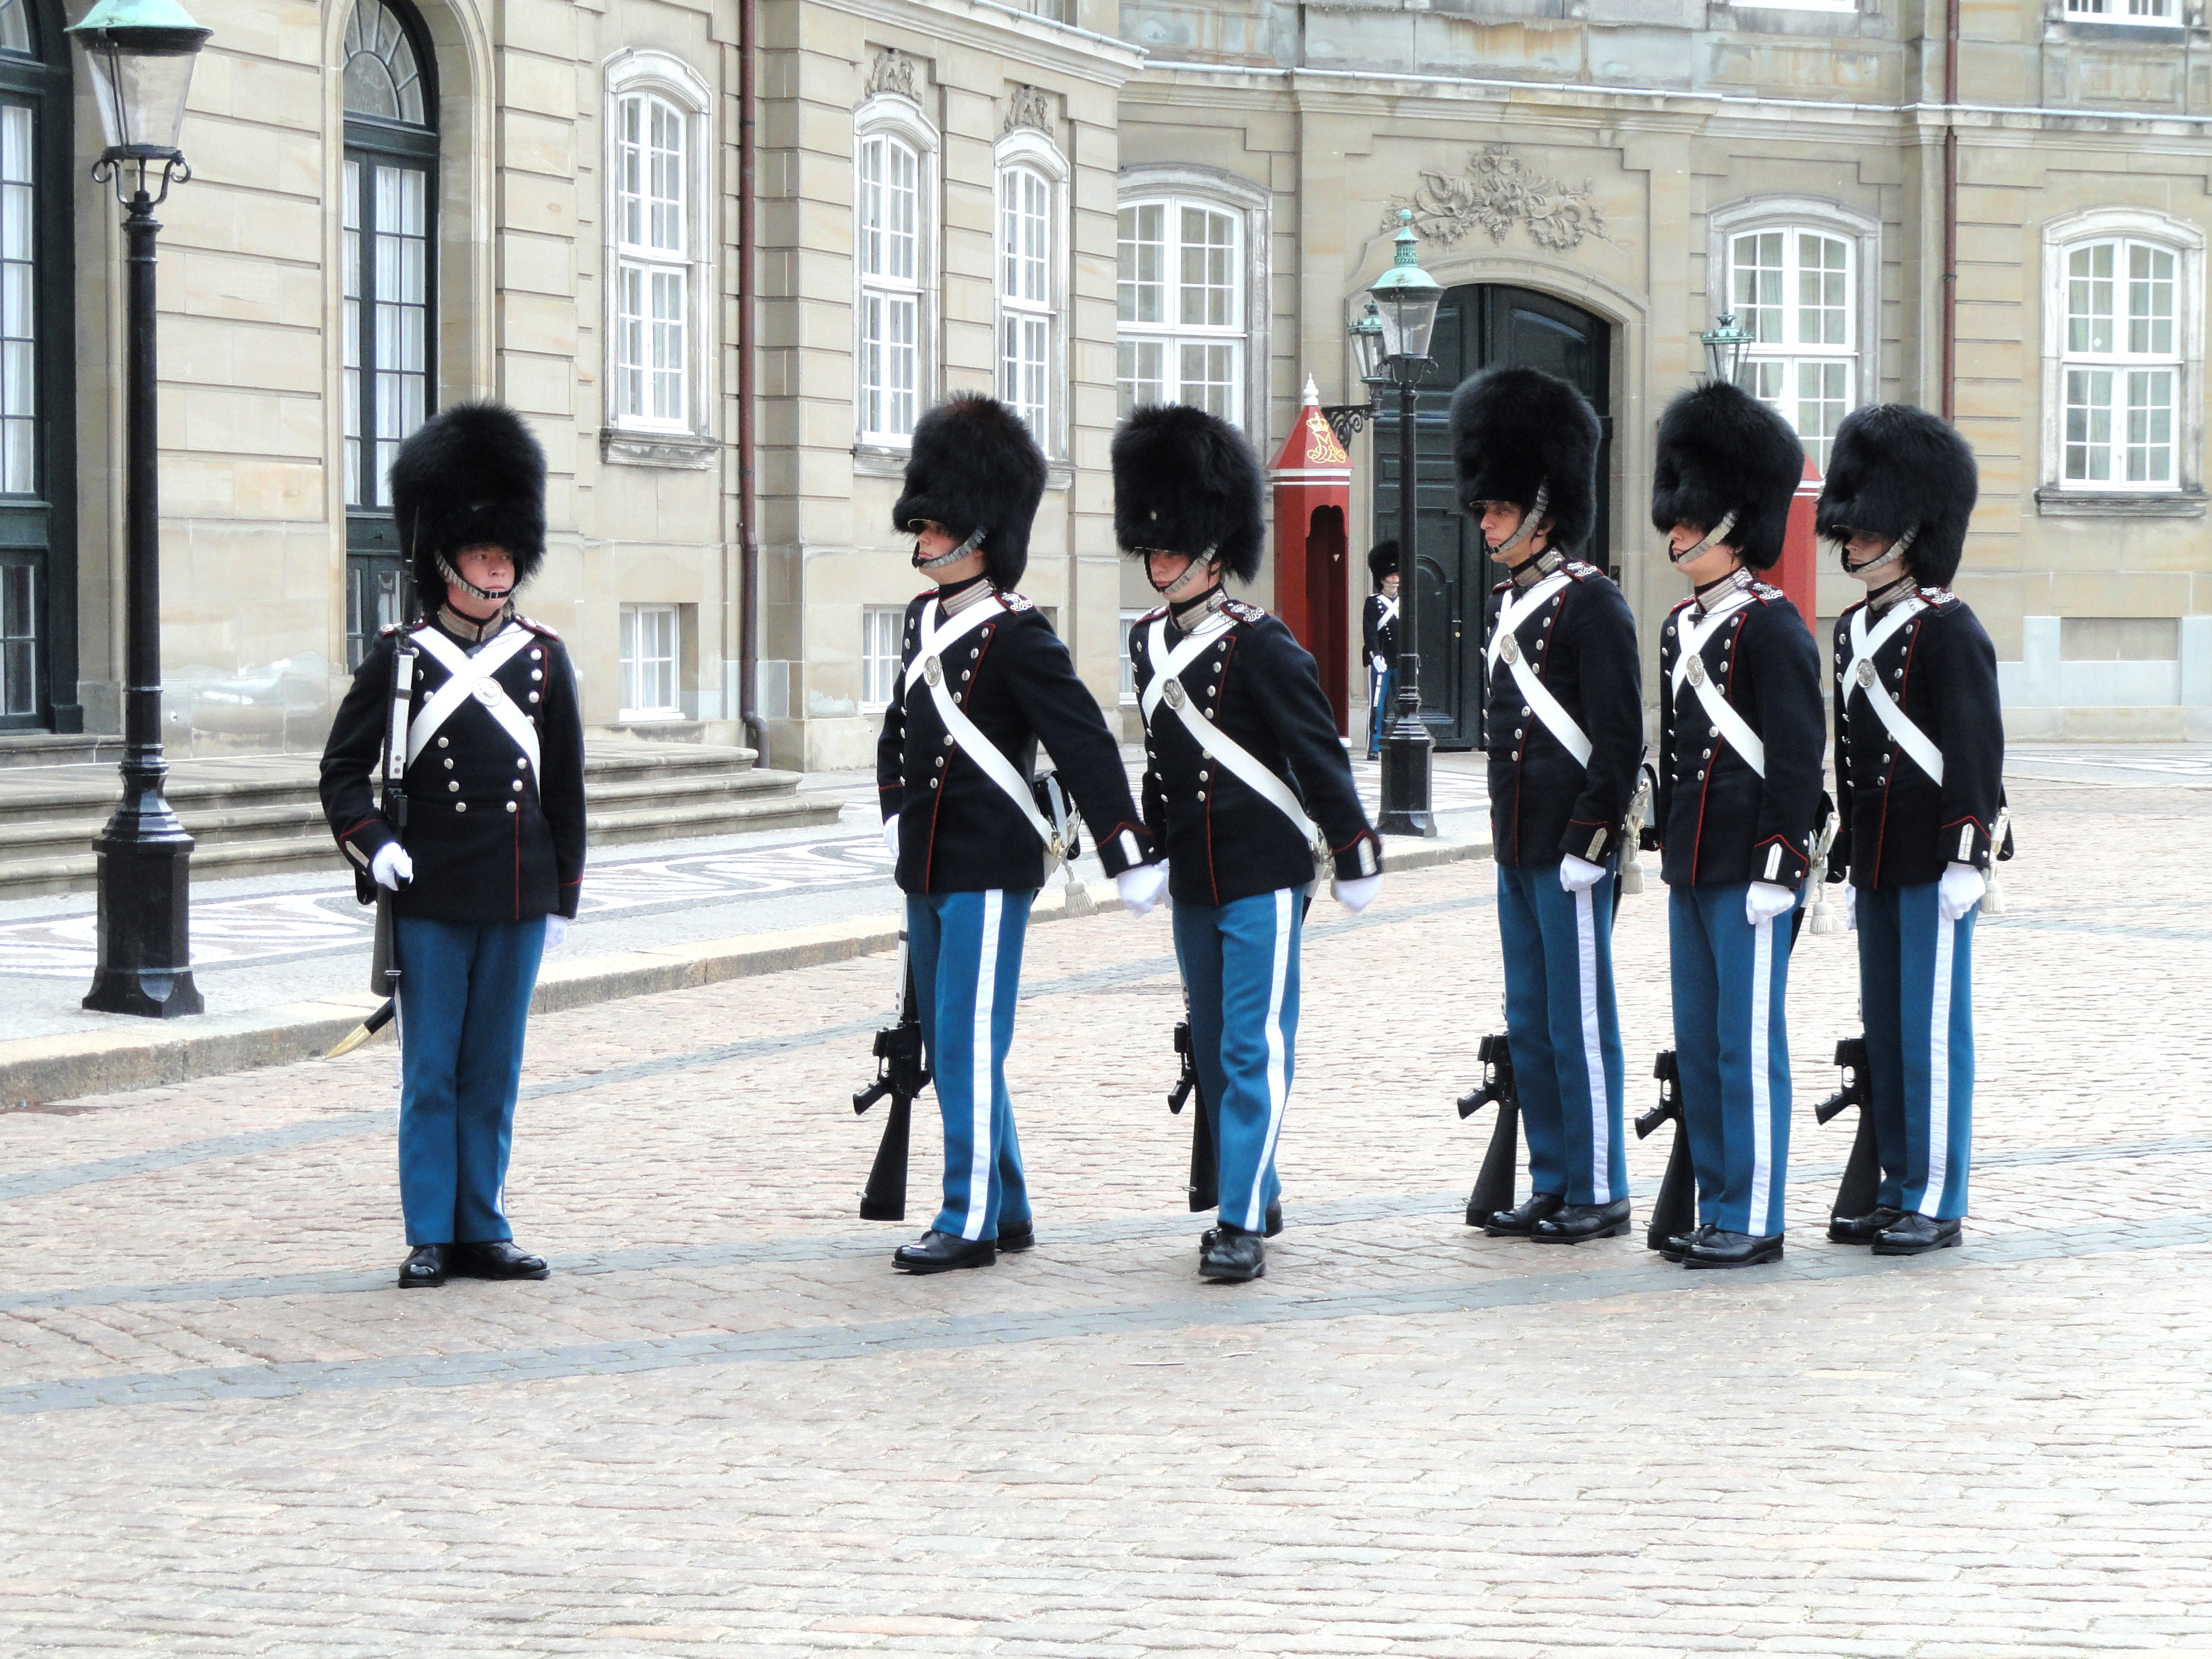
x,y
492,839
1718,821
1378,640
1899,826
1225,840
1581,643
958,833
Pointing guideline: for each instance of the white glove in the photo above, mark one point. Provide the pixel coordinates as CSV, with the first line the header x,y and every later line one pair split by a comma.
x,y
1579,875
392,867
1958,890
1850,906
1356,894
890,834
1141,886
1764,900
557,929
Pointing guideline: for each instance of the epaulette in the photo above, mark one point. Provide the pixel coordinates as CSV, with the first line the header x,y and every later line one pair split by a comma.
x,y
389,629
1767,591
539,627
1939,596
1014,601
1243,611
1152,615
1581,569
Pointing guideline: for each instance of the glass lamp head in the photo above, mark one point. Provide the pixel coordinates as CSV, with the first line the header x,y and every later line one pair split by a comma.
x,y
1406,297
140,53
1725,343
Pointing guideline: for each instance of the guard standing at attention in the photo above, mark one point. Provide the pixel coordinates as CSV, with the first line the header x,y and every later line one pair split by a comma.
x,y
1740,765
1378,642
1564,724
1246,784
486,861
1920,788
983,680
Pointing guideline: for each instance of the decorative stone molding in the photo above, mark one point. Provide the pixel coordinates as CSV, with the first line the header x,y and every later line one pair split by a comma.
x,y
2055,503
1496,193
893,71
1027,108
675,450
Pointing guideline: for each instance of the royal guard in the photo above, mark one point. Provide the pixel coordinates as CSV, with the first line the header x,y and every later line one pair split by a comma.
x,y
983,680
1740,768
1564,724
1247,786
1920,791
1378,642
478,835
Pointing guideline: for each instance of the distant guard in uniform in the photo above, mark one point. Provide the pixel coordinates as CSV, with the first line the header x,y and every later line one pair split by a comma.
x,y
982,681
1378,642
486,868
1919,785
1564,724
1739,769
1246,784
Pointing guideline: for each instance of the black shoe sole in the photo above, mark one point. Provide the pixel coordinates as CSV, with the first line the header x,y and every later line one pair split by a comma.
x,y
1838,1235
545,1272
1217,1276
1950,1243
1614,1231
423,1284
1757,1259
921,1268
1017,1244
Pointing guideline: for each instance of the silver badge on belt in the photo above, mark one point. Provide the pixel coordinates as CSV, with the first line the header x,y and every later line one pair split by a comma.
x,y
1866,672
1696,672
1172,693
489,691
1509,648
933,671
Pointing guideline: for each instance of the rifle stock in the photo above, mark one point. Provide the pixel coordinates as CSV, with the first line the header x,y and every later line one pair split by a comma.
x,y
902,1074
1675,1208
1501,1161
1203,1187
1862,1183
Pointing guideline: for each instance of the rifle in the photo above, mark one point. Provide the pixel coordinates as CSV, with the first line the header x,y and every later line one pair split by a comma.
x,y
1675,1209
1204,1188
903,1074
1861,1183
1493,1183
383,955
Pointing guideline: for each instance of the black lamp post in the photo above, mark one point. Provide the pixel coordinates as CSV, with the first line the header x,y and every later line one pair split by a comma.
x,y
140,53
1406,299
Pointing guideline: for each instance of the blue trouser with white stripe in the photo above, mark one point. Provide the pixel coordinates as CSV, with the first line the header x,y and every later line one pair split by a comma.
x,y
1382,692
966,949
1916,991
1566,1031
1732,1049
464,996
1240,967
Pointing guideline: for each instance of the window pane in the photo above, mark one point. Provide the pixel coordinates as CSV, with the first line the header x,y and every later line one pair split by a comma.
x,y
1141,293
630,340
1823,398
2089,425
1142,372
2150,299
887,324
2150,426
1756,288
668,344
1823,301
2089,298
665,177
18,396
879,653
1207,275
1207,372
18,637
890,210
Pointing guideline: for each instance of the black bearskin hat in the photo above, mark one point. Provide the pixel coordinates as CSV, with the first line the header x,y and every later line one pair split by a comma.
x,y
471,476
975,466
1896,468
1382,560
1722,451
1514,431
1187,482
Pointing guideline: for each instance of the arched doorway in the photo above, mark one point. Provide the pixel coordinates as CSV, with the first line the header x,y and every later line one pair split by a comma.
x,y
1482,325
390,185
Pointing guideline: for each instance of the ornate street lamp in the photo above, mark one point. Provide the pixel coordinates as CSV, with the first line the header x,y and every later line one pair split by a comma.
x,y
140,53
1725,343
1346,419
1406,300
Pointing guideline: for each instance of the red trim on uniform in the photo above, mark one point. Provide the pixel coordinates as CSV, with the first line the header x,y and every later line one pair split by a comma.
x,y
354,830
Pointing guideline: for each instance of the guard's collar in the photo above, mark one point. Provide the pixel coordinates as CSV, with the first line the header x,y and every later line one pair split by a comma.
x,y
1189,617
1714,592
1884,598
958,596
469,631
1534,570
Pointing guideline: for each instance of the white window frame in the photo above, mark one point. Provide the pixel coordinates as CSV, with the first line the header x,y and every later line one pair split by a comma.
x,y
1221,193
2125,14
1861,234
2061,236
658,74
1129,619
892,115
1026,150
631,621
881,625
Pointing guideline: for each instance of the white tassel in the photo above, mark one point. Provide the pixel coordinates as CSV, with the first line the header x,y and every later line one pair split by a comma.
x,y
1993,899
1631,871
1078,902
1826,919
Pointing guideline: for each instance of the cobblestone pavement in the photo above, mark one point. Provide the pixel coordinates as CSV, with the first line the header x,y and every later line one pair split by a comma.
x,y
726,1426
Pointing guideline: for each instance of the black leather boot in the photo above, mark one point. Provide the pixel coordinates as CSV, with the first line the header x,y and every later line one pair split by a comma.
x,y
1015,1236
495,1258
1229,1255
1916,1235
1677,1247
424,1269
1272,1223
936,1253
1571,1223
1861,1228
1716,1247
1517,1222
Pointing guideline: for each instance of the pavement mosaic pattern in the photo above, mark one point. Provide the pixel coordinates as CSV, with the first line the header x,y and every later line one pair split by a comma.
x,y
726,1426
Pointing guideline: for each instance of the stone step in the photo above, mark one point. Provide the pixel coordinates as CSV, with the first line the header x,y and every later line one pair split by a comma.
x,y
261,815
23,749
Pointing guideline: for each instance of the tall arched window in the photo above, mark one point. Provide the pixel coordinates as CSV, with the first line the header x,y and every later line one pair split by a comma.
x,y
38,460
390,185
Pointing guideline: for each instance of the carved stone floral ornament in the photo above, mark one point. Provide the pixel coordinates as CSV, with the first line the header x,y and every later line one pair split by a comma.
x,y
1496,193
893,71
1027,108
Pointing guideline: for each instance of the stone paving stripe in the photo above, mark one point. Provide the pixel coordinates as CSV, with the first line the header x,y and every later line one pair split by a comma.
x,y
33,1183
1225,1310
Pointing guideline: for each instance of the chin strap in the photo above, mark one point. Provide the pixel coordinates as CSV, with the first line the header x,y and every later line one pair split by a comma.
x,y
1718,533
489,595
943,559
1198,567
1529,520
1896,551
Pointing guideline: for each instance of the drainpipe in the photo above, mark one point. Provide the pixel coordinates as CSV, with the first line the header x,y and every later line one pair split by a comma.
x,y
748,383
1951,211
